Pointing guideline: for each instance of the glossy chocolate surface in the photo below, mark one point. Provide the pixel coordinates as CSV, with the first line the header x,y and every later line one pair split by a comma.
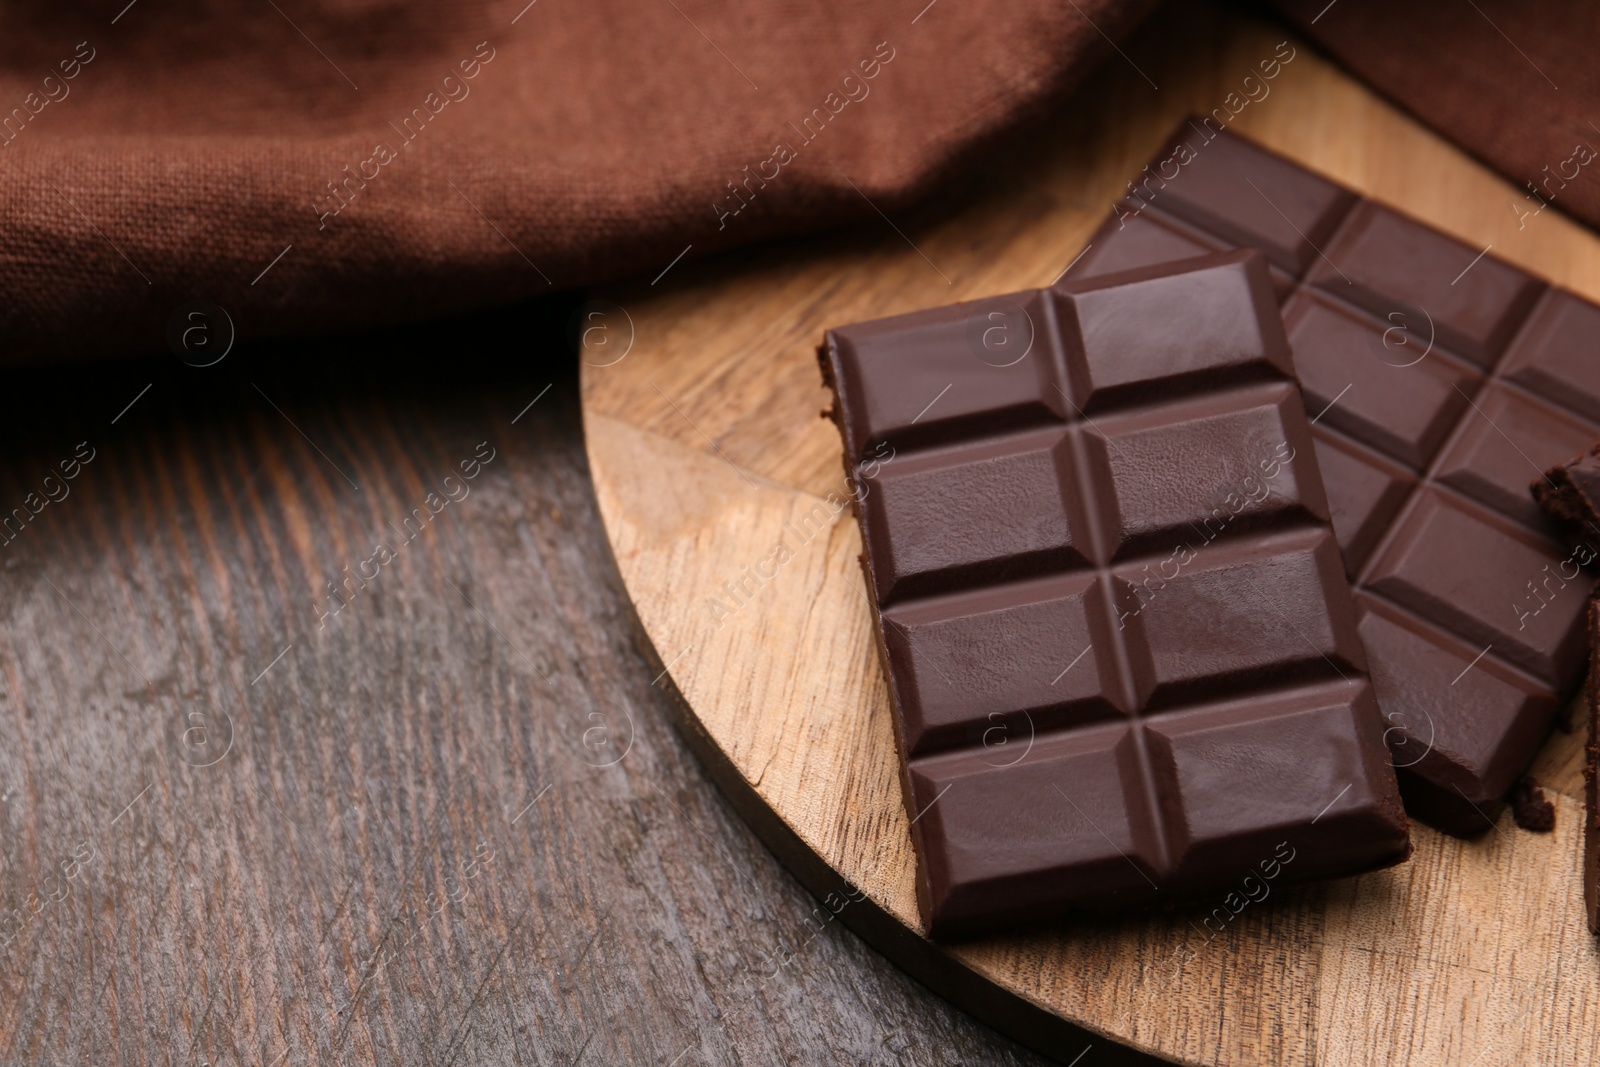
x,y
1121,651
1440,381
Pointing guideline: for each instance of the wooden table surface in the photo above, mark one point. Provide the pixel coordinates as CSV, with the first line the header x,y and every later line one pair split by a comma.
x,y
440,820
723,496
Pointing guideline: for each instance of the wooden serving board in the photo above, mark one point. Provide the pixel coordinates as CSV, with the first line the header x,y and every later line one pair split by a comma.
x,y
723,498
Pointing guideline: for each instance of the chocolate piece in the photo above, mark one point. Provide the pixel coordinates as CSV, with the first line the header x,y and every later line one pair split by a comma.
x,y
1441,379
1121,651
1570,497
1530,808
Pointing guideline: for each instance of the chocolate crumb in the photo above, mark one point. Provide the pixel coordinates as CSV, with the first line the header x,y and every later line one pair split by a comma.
x,y
1530,808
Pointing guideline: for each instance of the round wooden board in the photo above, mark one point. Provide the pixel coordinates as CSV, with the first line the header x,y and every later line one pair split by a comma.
x,y
723,498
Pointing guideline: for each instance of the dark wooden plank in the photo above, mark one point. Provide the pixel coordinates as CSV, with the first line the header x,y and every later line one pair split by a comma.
x,y
447,822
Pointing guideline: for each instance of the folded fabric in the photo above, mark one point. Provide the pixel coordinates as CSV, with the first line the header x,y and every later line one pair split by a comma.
x,y
1515,84
313,166
310,167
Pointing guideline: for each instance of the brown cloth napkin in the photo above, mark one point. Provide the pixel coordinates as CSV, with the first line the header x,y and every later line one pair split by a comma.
x,y
308,166
1514,82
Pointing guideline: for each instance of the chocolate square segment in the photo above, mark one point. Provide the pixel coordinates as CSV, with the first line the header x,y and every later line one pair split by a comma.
x,y
986,666
969,370
1391,265
947,517
1244,199
1366,379
1554,355
1166,334
1008,841
1149,238
1250,443
1236,788
1117,534
1442,380
1246,613
1371,493
1516,604
1486,461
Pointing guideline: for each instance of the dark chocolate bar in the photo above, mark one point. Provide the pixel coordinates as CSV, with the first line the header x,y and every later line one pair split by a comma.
x,y
1121,650
1441,380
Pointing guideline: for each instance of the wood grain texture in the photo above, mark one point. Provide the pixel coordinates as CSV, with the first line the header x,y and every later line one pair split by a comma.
x,y
449,824
722,494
